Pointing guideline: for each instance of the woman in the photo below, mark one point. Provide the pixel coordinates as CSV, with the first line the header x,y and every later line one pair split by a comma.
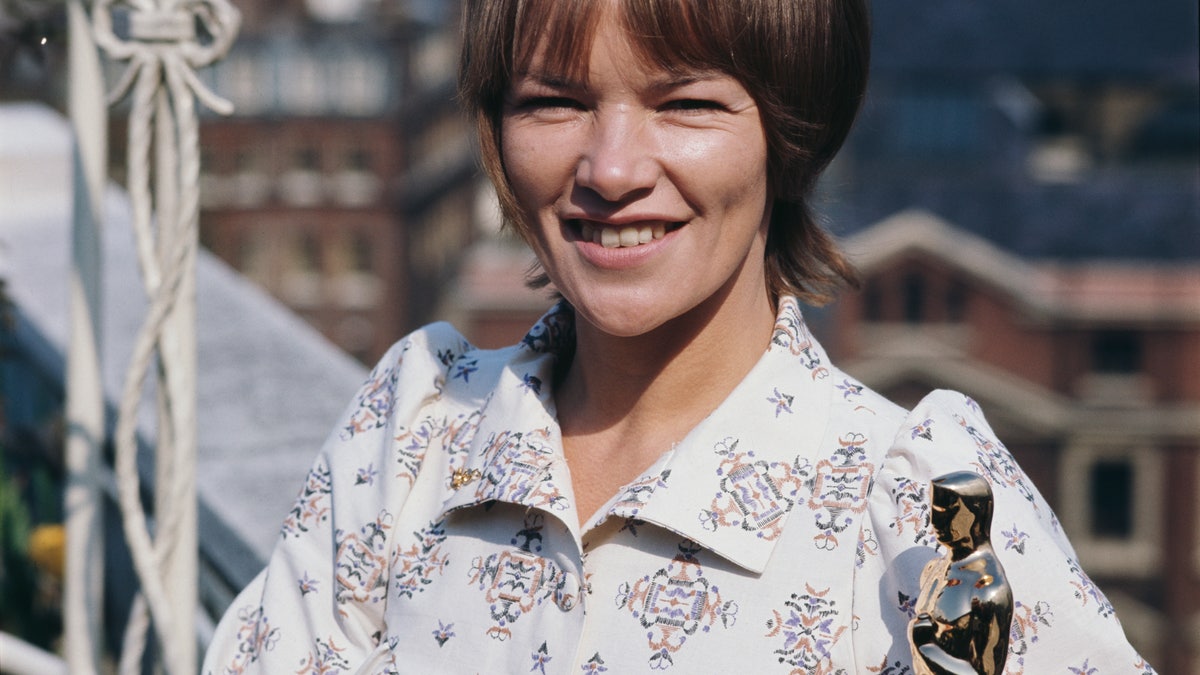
x,y
666,473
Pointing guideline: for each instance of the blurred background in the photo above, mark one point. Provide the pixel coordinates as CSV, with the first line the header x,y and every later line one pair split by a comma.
x,y
1021,193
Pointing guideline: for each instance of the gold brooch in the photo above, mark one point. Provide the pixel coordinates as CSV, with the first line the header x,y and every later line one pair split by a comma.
x,y
463,476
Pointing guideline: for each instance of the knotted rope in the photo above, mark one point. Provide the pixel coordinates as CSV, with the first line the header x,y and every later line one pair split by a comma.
x,y
163,50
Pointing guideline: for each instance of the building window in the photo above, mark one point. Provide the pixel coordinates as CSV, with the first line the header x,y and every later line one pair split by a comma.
x,y
308,159
302,284
243,160
362,252
303,83
253,256
914,298
1111,504
1116,352
308,254
362,83
1111,499
358,159
303,185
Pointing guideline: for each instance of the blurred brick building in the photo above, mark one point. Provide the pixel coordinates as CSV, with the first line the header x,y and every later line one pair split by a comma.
x,y
1059,281
1090,373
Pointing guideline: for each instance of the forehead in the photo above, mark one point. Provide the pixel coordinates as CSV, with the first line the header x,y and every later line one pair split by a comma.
x,y
554,37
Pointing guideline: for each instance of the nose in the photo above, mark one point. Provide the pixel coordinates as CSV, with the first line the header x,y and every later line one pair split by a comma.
x,y
618,163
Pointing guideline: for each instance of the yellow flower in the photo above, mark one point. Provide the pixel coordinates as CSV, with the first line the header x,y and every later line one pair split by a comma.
x,y
47,548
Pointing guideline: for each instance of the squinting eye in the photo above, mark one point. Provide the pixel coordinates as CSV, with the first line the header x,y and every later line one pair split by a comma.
x,y
693,104
548,102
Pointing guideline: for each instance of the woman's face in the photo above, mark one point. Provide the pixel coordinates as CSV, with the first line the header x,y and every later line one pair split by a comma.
x,y
646,190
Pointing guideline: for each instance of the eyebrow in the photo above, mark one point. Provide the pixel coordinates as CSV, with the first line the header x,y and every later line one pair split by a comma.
x,y
551,80
559,81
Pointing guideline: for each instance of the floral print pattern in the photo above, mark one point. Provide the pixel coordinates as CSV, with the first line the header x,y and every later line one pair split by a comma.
x,y
754,494
808,627
912,511
517,470
312,506
1026,624
786,533
417,566
373,404
360,562
674,603
515,581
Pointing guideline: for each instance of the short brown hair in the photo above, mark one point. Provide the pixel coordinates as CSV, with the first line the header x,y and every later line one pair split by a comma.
x,y
805,63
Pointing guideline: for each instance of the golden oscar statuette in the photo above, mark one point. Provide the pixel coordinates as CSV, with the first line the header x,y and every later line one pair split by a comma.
x,y
964,611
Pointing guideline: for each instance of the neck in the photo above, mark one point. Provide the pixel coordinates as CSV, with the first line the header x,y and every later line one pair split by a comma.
x,y
654,388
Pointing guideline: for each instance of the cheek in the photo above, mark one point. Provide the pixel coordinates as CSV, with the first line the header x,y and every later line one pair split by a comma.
x,y
732,170
529,164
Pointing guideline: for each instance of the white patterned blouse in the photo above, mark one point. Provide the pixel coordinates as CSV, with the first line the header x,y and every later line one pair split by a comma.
x,y
437,533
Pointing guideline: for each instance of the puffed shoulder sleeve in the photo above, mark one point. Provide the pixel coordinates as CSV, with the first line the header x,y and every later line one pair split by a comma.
x,y
318,605
1062,622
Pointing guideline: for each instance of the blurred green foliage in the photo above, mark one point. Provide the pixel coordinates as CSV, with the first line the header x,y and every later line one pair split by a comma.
x,y
29,597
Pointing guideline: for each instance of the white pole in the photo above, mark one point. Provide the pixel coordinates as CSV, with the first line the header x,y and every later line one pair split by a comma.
x,y
83,595
21,658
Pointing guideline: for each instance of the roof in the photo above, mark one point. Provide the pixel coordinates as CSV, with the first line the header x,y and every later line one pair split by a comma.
x,y
953,124
1080,37
1115,215
1096,290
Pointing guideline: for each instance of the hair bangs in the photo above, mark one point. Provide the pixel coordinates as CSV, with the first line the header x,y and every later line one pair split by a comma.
x,y
668,33
557,34
673,35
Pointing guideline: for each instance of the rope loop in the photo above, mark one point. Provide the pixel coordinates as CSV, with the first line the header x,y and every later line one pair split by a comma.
x,y
155,25
167,40
167,37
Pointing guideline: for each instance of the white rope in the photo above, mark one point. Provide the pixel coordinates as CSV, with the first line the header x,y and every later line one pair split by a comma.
x,y
133,646
162,53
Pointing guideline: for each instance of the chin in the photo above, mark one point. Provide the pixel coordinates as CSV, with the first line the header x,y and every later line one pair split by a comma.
x,y
625,317
620,324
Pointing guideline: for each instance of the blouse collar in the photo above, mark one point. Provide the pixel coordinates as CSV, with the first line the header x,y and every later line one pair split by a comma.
x,y
729,485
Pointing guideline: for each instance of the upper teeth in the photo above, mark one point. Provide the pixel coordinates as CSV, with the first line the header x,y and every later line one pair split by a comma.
x,y
619,237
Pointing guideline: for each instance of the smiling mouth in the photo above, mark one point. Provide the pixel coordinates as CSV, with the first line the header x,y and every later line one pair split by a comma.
x,y
626,236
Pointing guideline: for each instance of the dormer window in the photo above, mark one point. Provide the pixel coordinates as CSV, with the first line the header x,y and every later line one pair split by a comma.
x,y
914,298
1116,352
